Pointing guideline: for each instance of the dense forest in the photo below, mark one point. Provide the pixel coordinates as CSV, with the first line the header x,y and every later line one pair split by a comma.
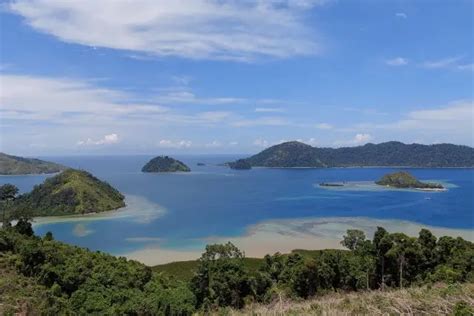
x,y
61,279
165,164
296,154
70,192
13,165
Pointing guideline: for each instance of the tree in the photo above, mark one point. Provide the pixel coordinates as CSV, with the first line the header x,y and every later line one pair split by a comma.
x,y
221,279
403,247
382,244
8,193
353,239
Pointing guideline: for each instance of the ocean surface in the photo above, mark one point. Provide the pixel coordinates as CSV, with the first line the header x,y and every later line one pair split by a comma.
x,y
180,211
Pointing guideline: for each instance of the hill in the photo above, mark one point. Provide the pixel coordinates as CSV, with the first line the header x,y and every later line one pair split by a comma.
x,y
389,154
70,192
165,164
13,165
404,179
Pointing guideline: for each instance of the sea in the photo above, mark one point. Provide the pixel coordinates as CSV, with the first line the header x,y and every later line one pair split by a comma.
x,y
181,211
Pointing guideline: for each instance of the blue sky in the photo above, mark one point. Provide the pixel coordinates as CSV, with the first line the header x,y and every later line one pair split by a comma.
x,y
208,76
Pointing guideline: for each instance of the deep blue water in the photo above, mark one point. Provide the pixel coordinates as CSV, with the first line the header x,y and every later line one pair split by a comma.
x,y
217,201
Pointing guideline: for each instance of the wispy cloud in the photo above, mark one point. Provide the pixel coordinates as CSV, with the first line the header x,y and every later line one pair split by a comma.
x,y
263,121
397,61
323,126
401,15
358,139
166,143
452,63
203,29
278,110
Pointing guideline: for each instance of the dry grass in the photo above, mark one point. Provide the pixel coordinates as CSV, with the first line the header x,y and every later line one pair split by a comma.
x,y
439,299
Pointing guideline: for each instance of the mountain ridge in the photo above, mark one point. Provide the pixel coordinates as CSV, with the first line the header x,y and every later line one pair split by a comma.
x,y
387,154
16,165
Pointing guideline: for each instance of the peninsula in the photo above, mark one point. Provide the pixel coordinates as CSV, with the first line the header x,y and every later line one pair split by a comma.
x,y
13,165
165,164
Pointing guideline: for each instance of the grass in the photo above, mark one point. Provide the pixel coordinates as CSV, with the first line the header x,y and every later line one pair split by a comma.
x,y
184,270
438,299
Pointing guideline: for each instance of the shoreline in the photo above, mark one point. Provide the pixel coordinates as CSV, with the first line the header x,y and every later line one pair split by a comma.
x,y
285,235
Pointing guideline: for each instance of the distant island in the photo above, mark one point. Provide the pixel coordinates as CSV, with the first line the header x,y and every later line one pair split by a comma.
x,y
405,180
165,164
390,154
68,193
200,164
241,164
13,165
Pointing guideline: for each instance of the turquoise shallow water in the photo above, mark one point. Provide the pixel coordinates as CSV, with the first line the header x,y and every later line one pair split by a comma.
x,y
178,210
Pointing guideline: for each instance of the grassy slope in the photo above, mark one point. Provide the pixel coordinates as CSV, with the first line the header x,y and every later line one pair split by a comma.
x,y
184,270
440,299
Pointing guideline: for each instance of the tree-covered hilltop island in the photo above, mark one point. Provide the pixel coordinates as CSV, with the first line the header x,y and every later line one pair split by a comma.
x,y
68,193
13,165
165,164
405,180
240,164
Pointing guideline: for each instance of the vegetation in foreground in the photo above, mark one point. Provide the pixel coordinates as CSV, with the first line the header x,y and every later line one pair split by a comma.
x,y
68,193
165,164
13,165
403,179
48,277
388,154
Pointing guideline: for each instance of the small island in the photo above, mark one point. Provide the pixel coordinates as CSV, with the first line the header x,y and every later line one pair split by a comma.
x,y
241,164
405,180
72,192
331,184
13,165
165,164
200,164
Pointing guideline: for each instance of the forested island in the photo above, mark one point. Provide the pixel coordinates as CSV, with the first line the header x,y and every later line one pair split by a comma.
x,y
165,164
405,180
68,193
39,275
390,154
13,165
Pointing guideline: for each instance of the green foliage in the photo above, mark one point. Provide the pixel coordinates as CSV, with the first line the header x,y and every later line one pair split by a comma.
x,y
13,165
82,282
77,281
221,278
404,179
296,154
165,164
70,192
240,164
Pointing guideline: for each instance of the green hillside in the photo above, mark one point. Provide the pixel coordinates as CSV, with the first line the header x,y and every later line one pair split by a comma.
x,y
13,165
389,154
70,192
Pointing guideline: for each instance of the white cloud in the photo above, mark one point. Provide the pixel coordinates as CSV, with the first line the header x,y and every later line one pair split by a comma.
x,y
398,61
232,30
358,139
259,142
106,140
323,126
233,143
267,110
401,15
362,138
166,143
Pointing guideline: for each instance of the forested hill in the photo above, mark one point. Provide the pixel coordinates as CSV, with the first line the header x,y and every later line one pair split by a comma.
x,y
296,154
70,192
13,165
